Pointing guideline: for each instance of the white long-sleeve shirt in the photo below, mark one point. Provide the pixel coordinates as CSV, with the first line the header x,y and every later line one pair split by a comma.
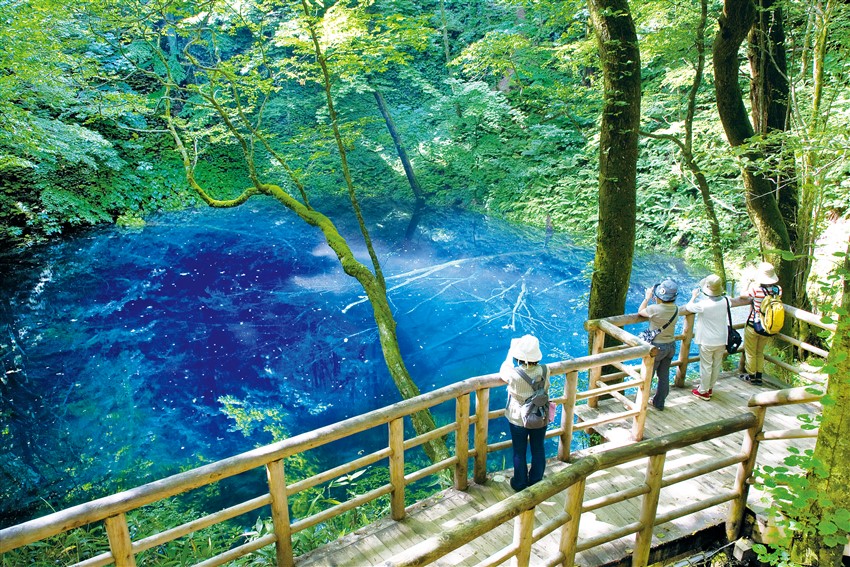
x,y
711,320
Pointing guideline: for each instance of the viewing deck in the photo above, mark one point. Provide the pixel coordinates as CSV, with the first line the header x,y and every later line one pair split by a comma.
x,y
659,479
379,542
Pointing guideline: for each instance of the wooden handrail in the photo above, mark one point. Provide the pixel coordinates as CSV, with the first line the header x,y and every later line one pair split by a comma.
x,y
113,509
613,327
123,502
801,395
452,538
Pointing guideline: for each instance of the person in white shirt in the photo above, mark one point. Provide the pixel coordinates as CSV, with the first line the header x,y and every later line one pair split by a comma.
x,y
525,354
710,333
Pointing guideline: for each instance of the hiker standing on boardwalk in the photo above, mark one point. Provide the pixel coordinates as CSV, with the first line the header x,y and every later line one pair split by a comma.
x,y
710,333
525,354
662,316
765,284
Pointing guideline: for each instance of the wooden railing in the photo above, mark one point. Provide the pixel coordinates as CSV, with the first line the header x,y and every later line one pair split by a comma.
x,y
612,328
521,507
112,510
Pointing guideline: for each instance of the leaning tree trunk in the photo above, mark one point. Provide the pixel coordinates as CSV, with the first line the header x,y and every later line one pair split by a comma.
x,y
832,450
618,150
402,153
762,206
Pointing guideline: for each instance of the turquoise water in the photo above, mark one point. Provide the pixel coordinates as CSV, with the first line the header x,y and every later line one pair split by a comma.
x,y
119,346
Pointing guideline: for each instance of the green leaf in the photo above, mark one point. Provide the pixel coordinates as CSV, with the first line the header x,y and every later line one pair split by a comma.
x,y
826,527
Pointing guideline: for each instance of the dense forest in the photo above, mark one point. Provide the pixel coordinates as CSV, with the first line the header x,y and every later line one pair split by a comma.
x,y
719,129
493,105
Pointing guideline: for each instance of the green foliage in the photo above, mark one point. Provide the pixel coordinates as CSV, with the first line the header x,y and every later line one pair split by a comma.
x,y
797,508
798,505
59,167
86,542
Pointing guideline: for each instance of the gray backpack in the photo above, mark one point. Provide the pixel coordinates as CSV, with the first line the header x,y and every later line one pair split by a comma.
x,y
535,409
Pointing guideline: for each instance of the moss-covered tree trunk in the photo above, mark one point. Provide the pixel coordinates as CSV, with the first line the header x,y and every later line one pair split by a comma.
x,y
770,99
832,450
618,151
422,421
762,205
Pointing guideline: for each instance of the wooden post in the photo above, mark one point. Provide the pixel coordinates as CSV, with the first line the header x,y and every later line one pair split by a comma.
x,y
643,538
749,447
523,530
642,397
569,533
568,411
684,349
482,425
595,373
280,513
396,443
120,543
462,442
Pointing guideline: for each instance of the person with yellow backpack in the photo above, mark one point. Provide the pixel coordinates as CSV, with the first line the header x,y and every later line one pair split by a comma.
x,y
767,315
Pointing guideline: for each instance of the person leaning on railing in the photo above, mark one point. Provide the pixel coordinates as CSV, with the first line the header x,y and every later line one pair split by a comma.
x,y
710,333
525,353
765,283
662,317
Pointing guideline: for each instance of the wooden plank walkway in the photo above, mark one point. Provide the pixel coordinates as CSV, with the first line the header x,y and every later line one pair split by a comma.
x,y
380,541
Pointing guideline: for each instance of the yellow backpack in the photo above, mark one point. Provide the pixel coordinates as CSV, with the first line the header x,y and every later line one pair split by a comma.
x,y
771,315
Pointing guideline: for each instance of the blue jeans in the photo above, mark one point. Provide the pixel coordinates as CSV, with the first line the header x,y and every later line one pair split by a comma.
x,y
661,368
521,439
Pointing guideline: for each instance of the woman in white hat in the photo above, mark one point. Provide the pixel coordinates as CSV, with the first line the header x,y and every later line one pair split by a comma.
x,y
766,283
524,357
710,333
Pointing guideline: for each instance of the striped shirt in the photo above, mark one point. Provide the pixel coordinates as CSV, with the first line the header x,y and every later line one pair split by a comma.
x,y
758,293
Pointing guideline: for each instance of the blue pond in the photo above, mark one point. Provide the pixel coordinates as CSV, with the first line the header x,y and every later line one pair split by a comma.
x,y
120,345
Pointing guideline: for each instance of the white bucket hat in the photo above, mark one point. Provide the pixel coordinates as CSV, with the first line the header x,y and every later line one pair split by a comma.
x,y
711,286
526,348
766,274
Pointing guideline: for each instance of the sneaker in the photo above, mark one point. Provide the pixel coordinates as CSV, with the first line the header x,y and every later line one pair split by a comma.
x,y
700,395
710,391
744,377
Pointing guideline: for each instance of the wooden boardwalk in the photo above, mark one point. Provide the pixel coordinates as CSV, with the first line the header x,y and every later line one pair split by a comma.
x,y
378,542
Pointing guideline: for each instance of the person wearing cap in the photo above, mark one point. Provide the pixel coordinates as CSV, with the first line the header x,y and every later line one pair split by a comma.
x,y
765,283
710,333
662,315
524,353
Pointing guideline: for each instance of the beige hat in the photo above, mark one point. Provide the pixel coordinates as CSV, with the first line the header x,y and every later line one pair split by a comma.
x,y
526,349
766,274
711,286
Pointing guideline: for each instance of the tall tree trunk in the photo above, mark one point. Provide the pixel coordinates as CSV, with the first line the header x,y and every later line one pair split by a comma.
x,y
811,128
832,450
618,152
762,206
402,153
770,100
373,282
